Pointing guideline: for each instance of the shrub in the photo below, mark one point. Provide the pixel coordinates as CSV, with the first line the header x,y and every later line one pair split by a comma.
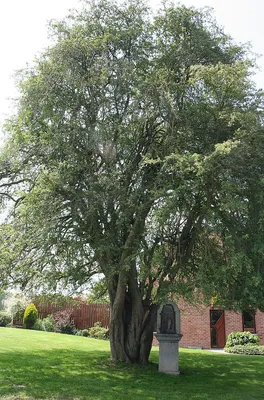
x,y
48,323
38,326
5,318
241,339
64,322
251,349
45,324
98,331
30,316
82,332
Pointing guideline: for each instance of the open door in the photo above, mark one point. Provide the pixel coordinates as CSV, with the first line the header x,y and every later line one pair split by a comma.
x,y
217,325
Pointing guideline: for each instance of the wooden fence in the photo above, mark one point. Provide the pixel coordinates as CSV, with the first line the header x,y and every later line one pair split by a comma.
x,y
84,315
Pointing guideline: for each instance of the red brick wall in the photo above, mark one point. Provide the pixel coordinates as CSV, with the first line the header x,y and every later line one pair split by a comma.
x,y
233,322
259,320
195,326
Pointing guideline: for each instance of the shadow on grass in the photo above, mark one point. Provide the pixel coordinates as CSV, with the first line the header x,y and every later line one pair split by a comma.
x,y
75,374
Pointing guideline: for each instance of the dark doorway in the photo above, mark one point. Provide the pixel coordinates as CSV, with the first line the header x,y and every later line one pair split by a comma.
x,y
249,323
217,325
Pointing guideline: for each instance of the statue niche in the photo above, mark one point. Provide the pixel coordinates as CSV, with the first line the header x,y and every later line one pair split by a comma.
x,y
168,323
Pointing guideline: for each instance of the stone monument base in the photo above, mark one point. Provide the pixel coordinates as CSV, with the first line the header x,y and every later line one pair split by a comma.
x,y
169,352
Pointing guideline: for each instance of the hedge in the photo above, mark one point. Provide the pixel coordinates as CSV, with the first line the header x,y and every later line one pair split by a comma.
x,y
247,349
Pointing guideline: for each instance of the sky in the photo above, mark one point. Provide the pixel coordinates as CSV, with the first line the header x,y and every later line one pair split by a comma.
x,y
23,33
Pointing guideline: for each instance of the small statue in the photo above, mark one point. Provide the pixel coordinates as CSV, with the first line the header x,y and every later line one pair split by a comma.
x,y
168,323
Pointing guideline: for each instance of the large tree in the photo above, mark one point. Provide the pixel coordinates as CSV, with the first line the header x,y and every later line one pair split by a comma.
x,y
137,152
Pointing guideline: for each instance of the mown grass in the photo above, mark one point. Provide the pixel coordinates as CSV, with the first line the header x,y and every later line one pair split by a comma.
x,y
38,365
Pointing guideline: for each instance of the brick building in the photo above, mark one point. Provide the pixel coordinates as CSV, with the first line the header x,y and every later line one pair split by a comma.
x,y
208,327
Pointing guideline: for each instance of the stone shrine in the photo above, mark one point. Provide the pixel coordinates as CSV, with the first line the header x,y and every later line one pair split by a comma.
x,y
168,334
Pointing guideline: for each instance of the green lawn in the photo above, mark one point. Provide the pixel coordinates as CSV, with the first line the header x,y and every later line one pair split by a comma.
x,y
39,365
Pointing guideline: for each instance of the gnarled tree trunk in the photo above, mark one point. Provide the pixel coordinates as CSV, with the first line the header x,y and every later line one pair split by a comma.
x,y
132,322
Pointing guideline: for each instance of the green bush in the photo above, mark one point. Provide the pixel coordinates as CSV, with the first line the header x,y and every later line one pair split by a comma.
x,y
251,349
5,318
45,324
241,339
30,316
98,331
48,323
38,325
85,332
82,332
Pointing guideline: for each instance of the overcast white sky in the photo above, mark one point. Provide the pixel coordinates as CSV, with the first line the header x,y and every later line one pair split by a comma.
x,y
23,32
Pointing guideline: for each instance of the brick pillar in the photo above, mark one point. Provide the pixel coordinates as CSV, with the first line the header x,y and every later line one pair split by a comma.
x,y
233,322
259,321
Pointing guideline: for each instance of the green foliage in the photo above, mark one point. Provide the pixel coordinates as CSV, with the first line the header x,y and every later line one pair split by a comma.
x,y
30,316
38,325
172,183
85,332
82,332
98,331
48,323
241,339
98,293
57,299
251,350
5,318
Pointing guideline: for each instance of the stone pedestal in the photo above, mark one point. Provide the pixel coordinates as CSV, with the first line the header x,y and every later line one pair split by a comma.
x,y
168,352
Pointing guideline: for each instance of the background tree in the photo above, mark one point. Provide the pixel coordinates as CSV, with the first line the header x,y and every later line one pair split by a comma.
x,y
136,152
98,293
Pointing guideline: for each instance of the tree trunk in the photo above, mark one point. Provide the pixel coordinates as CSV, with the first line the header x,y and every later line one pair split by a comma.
x,y
131,335
132,324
